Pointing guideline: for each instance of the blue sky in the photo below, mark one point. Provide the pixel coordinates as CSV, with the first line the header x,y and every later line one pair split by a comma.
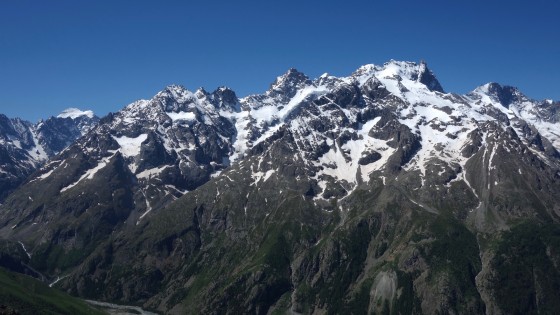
x,y
102,55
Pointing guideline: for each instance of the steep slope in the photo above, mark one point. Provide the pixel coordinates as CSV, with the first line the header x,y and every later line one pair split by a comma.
x,y
21,294
376,192
57,133
135,161
24,146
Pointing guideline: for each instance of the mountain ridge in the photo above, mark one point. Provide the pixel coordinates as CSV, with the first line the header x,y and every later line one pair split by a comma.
x,y
26,146
315,196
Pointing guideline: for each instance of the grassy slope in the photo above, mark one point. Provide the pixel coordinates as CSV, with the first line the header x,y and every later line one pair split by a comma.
x,y
29,296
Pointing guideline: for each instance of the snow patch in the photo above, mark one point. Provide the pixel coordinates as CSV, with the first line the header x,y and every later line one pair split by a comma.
x,y
89,174
47,174
25,250
188,116
151,172
75,113
260,175
341,162
130,147
57,280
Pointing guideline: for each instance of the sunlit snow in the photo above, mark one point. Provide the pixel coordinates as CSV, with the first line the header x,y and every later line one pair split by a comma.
x,y
130,146
75,113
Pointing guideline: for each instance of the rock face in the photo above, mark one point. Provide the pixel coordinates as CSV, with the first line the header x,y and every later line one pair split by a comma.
x,y
372,193
25,146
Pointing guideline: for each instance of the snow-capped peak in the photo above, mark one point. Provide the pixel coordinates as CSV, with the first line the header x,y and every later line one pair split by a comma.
x,y
225,98
426,77
503,94
289,80
177,92
405,69
368,69
75,113
397,71
200,93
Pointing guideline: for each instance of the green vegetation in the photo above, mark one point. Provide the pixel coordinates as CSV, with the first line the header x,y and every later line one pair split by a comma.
x,y
527,280
407,302
453,257
29,296
281,307
360,303
454,250
355,245
349,255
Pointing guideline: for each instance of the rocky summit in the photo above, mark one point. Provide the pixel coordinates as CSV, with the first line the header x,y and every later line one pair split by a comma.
x,y
24,146
378,192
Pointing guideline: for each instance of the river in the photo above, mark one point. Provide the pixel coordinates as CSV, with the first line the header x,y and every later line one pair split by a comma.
x,y
116,309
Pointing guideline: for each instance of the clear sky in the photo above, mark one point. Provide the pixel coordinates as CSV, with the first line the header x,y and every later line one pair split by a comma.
x,y
102,55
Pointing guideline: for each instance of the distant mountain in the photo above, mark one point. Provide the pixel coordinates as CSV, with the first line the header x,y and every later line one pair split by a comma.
x,y
25,146
373,193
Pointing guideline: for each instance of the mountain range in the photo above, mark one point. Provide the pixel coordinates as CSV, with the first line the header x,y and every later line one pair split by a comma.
x,y
378,192
24,146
